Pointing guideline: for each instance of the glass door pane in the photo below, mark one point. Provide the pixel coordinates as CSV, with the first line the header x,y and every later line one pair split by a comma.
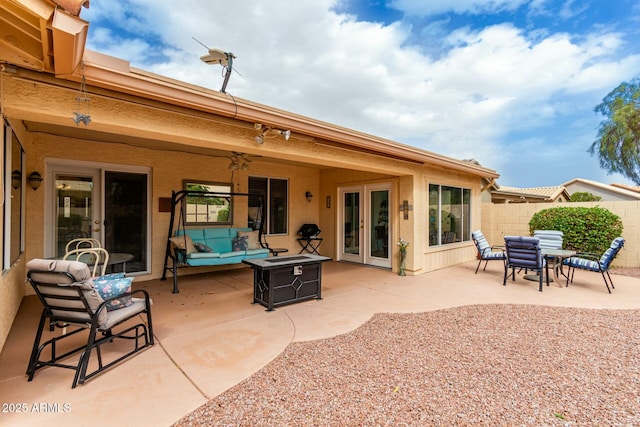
x,y
379,222
74,210
351,226
126,217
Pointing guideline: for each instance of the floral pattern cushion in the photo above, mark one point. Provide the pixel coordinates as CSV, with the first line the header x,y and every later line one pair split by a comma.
x,y
112,286
240,243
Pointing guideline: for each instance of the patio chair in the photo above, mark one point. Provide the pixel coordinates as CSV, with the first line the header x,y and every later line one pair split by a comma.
x,y
524,252
549,239
83,242
591,262
94,257
486,252
72,300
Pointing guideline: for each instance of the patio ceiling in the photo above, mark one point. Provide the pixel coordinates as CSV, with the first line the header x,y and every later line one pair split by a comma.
x,y
87,134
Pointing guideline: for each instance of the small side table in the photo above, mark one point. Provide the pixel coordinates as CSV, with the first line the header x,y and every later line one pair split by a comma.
x,y
277,251
310,244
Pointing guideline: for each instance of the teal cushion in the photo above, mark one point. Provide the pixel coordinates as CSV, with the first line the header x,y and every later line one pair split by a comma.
x,y
113,286
232,254
204,255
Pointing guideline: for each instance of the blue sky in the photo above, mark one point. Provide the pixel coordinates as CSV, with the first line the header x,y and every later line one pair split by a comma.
x,y
510,83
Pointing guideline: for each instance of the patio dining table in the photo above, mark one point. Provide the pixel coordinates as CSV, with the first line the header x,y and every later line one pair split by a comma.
x,y
115,258
556,256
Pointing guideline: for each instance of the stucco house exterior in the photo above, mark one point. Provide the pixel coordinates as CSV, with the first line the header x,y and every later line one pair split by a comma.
x,y
495,193
104,166
607,192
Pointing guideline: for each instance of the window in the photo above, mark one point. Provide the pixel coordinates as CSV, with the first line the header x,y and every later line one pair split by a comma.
x,y
449,214
275,194
13,242
208,210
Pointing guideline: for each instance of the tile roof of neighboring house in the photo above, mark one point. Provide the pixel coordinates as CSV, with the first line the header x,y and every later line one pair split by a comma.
x,y
606,187
626,187
543,192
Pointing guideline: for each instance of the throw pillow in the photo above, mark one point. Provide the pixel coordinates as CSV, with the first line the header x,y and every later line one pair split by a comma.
x,y
253,239
185,243
240,243
201,247
114,286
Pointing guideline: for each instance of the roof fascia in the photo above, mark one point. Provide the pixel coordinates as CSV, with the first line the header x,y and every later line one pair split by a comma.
x,y
69,38
116,75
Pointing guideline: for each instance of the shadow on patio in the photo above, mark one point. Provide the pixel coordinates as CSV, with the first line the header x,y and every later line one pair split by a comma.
x,y
210,336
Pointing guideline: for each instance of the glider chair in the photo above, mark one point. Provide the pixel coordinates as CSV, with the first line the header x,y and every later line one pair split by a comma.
x,y
486,252
73,303
591,262
524,252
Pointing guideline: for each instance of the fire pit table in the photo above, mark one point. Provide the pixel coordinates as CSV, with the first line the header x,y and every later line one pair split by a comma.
x,y
286,279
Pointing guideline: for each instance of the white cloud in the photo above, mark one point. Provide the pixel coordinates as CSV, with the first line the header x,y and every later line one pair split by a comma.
x,y
305,58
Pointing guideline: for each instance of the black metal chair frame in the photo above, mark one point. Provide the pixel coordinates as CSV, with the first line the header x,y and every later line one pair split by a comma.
x,y
517,248
483,257
65,314
593,257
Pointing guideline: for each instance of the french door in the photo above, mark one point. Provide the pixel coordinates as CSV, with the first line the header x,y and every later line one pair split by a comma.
x,y
364,217
108,205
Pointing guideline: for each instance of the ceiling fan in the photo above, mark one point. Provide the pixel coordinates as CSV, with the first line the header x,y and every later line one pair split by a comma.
x,y
240,161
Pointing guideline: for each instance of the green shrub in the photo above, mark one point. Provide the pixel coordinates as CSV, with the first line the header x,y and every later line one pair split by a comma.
x,y
585,229
583,196
223,215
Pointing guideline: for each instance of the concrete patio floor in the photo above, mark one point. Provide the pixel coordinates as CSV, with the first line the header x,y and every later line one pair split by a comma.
x,y
209,337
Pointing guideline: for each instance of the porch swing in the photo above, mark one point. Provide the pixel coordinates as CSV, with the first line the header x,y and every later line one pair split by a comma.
x,y
212,245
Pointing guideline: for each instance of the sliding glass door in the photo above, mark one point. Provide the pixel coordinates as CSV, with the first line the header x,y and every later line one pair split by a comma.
x,y
111,206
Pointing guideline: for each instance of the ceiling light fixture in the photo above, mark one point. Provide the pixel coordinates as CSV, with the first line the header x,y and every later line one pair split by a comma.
x,y
239,161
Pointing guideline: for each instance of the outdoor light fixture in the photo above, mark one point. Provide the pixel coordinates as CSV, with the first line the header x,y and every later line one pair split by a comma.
x,y
267,132
308,195
35,179
219,56
16,179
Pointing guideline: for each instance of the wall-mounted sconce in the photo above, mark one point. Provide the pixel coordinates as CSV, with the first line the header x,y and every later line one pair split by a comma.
x,y
35,179
406,207
267,132
308,195
16,179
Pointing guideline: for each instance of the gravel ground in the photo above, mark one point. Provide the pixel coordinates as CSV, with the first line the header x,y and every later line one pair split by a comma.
x,y
509,365
626,271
